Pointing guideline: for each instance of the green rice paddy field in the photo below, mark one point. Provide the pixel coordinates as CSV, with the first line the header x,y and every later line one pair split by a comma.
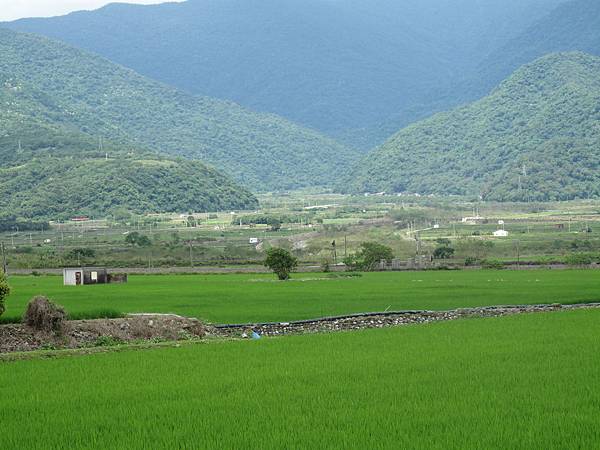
x,y
519,382
236,298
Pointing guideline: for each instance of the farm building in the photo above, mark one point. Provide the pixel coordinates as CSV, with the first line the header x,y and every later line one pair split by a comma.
x,y
90,275
501,233
78,276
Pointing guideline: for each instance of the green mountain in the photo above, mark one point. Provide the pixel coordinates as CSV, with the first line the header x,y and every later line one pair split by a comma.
x,y
357,70
84,92
51,172
572,26
536,137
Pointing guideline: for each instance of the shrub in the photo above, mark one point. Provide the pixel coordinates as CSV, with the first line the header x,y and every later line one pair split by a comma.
x,y
443,252
471,261
107,341
580,259
492,264
44,315
81,253
138,239
4,291
281,262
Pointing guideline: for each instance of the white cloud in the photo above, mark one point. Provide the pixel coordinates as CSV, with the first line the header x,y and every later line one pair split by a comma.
x,y
17,9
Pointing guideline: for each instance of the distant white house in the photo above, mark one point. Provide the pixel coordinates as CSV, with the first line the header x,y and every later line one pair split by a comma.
x,y
253,241
472,220
501,233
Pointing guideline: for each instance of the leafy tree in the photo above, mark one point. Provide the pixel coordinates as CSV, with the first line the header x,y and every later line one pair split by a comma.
x,y
275,224
81,253
369,255
4,291
443,252
281,262
137,239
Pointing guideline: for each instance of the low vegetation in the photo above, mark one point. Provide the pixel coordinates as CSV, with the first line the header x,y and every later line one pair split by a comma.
x,y
483,383
4,291
237,298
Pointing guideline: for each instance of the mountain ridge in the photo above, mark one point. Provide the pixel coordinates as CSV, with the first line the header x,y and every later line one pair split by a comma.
x,y
535,137
89,93
354,70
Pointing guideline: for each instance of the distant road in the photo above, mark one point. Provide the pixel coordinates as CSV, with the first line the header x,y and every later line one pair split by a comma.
x,y
175,270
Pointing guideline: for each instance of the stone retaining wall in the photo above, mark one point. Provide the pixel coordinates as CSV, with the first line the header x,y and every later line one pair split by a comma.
x,y
381,320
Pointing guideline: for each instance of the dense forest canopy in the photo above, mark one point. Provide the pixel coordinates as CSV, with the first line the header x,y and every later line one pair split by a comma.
x,y
357,70
52,171
86,93
536,137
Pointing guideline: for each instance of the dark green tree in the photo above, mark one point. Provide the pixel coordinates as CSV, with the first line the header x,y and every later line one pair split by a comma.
x,y
137,239
281,262
369,255
443,252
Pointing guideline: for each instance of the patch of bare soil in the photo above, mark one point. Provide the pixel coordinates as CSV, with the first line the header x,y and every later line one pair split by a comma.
x,y
100,332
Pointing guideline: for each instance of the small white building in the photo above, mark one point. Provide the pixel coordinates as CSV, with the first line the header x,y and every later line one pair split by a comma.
x,y
501,233
79,276
253,241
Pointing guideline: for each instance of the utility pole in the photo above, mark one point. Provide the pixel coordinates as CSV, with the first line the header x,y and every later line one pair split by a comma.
x,y
345,246
334,251
191,255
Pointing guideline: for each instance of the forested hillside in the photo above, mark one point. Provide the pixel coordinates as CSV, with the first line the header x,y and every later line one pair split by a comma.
x,y
83,92
536,137
357,70
51,172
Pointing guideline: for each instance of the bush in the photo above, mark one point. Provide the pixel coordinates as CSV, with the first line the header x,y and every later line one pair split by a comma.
x,y
580,259
43,315
492,264
138,239
281,262
443,252
471,261
77,253
4,291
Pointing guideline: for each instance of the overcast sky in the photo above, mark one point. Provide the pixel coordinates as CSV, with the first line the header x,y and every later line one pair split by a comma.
x,y
16,9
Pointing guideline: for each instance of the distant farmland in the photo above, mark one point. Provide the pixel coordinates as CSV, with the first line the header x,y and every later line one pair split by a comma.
x,y
516,382
259,298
